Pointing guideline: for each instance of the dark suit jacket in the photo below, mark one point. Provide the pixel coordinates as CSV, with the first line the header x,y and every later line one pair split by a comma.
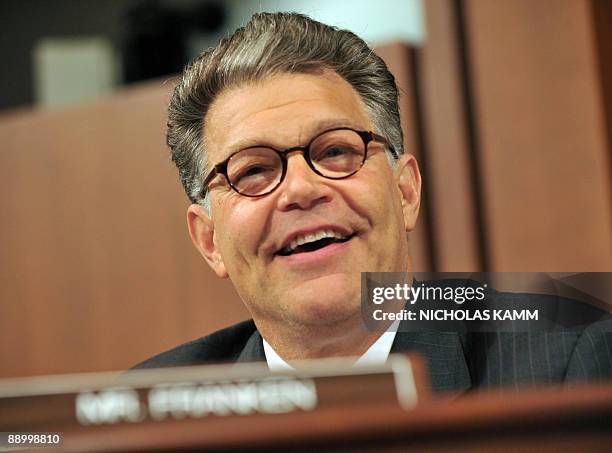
x,y
456,361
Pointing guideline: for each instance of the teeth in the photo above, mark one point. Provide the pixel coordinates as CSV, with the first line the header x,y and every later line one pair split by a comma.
x,y
312,237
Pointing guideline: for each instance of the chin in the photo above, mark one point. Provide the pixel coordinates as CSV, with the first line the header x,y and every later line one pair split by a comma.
x,y
327,300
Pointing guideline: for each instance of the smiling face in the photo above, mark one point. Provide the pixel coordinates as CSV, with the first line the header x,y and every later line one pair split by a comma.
x,y
359,223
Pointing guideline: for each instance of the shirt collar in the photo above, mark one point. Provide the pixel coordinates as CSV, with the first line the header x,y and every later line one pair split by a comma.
x,y
376,354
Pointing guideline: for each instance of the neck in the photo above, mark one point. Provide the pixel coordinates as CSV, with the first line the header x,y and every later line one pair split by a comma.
x,y
340,339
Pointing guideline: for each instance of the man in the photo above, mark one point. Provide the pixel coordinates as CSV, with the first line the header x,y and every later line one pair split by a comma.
x,y
288,142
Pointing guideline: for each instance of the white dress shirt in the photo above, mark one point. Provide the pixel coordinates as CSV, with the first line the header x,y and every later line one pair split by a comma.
x,y
376,354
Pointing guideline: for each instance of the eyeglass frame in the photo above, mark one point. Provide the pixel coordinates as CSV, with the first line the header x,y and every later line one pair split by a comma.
x,y
221,167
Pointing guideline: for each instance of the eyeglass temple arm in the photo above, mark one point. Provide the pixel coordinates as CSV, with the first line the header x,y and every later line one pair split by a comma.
x,y
214,172
381,139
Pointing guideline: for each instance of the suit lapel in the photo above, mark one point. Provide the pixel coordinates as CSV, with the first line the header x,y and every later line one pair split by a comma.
x,y
444,353
253,349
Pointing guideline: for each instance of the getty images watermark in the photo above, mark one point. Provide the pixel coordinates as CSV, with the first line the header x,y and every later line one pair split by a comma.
x,y
485,302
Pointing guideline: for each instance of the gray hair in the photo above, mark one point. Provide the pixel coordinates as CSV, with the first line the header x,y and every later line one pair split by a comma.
x,y
269,44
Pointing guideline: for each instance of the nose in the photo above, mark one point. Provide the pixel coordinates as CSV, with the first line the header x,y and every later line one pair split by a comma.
x,y
302,187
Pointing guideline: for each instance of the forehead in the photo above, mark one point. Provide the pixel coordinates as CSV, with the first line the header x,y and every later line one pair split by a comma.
x,y
281,111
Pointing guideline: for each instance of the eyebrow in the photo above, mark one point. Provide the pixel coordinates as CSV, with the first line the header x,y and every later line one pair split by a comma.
x,y
320,126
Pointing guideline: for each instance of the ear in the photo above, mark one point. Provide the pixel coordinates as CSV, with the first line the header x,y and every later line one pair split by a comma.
x,y
408,180
202,232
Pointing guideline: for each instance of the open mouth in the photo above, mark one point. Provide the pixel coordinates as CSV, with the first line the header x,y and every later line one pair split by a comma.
x,y
311,244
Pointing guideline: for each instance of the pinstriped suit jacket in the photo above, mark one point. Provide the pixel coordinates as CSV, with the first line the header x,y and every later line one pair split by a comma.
x,y
456,362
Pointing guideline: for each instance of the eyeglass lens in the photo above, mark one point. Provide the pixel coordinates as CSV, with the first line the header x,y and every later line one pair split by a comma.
x,y
334,154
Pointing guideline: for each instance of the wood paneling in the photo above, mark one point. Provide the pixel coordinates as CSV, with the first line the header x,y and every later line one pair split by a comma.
x,y
541,134
601,12
449,178
98,271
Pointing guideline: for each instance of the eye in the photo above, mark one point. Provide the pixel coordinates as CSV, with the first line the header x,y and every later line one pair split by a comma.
x,y
253,170
333,151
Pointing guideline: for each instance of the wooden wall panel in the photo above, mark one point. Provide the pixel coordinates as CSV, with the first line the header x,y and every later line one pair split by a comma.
x,y
601,12
542,151
97,268
450,179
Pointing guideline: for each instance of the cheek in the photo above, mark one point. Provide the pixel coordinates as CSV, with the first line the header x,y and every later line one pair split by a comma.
x,y
384,212
378,198
241,226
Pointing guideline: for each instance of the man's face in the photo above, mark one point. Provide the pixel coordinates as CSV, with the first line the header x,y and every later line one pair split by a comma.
x,y
373,208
